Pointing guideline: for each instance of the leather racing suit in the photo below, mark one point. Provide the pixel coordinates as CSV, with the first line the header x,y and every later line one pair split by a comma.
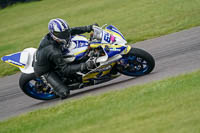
x,y
49,59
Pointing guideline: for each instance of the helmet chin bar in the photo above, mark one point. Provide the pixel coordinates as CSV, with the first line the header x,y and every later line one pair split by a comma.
x,y
63,42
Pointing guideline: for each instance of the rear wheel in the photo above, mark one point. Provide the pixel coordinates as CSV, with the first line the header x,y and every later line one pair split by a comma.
x,y
136,63
35,87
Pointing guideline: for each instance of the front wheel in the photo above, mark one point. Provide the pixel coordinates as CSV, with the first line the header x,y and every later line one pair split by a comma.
x,y
136,63
35,87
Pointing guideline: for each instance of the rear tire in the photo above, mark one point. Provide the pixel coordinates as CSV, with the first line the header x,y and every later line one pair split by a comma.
x,y
29,89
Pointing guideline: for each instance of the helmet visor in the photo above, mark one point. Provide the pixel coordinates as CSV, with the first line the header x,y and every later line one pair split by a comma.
x,y
62,35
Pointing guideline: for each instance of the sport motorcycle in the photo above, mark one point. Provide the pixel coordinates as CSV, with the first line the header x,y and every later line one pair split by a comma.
x,y
106,46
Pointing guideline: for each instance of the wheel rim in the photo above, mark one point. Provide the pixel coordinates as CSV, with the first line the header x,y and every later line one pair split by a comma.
x,y
134,66
39,94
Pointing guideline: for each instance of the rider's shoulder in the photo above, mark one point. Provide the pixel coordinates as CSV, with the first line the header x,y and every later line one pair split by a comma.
x,y
46,41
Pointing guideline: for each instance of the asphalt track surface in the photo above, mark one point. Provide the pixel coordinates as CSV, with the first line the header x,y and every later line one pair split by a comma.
x,y
175,54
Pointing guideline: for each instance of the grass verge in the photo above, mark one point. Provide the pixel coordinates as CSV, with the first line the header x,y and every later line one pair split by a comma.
x,y
23,25
167,106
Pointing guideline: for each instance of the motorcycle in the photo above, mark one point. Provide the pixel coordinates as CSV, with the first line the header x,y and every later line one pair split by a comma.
x,y
106,46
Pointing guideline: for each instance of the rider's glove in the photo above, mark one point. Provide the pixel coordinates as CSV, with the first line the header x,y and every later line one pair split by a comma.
x,y
90,27
95,24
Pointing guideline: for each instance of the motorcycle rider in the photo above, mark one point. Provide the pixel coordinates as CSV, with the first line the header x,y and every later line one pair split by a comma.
x,y
49,59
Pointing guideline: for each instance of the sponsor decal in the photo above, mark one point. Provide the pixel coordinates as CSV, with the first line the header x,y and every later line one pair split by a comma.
x,y
115,49
80,44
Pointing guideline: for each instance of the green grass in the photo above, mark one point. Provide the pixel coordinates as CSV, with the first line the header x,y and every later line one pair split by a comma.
x,y
167,106
23,25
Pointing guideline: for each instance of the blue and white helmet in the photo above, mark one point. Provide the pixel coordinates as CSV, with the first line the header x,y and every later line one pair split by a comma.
x,y
59,31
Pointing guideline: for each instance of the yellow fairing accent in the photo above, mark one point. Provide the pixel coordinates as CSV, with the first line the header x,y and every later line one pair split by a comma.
x,y
89,76
127,49
104,45
95,45
79,52
106,72
94,75
14,64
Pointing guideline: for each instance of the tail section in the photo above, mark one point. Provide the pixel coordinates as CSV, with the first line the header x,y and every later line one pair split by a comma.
x,y
16,59
23,60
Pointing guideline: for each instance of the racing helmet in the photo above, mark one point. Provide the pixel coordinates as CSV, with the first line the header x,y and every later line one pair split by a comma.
x,y
60,31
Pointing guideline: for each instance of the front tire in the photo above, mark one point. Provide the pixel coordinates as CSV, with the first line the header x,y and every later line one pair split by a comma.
x,y
136,63
28,83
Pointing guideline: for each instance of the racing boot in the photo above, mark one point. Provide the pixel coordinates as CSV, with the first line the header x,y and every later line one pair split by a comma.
x,y
58,86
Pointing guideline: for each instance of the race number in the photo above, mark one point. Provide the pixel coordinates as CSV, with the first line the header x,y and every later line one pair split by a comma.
x,y
107,37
